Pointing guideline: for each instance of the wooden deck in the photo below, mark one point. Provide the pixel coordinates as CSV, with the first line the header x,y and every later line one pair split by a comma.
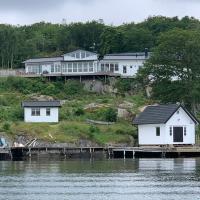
x,y
106,152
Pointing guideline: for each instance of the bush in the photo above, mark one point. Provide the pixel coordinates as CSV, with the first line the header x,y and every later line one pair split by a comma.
x,y
79,112
124,85
73,87
111,115
6,126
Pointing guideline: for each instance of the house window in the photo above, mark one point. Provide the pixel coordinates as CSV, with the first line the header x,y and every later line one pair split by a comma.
x,y
170,131
75,67
57,68
85,67
116,67
124,69
91,67
79,67
111,67
157,131
70,67
35,111
52,69
48,111
102,67
185,131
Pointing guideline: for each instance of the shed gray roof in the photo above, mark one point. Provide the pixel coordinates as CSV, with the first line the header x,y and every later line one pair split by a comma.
x,y
39,60
160,114
41,104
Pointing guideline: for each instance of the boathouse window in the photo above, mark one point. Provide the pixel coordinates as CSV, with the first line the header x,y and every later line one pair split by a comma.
x,y
79,67
48,111
75,67
52,69
157,131
170,131
185,131
35,111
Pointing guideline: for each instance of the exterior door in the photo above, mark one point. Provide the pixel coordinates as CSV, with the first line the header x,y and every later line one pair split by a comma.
x,y
178,134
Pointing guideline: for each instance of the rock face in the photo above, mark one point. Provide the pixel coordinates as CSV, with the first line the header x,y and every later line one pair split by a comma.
x,y
40,98
100,87
124,110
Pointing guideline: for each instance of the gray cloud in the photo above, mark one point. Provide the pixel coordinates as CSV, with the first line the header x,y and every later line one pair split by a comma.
x,y
112,11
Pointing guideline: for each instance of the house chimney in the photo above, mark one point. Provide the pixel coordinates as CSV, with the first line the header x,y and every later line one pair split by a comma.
x,y
146,52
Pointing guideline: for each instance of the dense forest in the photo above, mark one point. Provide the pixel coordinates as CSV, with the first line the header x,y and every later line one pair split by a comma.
x,y
18,43
174,43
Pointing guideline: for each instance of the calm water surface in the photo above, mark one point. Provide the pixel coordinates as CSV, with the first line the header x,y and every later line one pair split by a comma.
x,y
156,179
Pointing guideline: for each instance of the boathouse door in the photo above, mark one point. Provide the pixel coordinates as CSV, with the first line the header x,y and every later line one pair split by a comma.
x,y
178,134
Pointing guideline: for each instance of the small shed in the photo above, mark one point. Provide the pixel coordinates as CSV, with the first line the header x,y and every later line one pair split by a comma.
x,y
41,111
166,124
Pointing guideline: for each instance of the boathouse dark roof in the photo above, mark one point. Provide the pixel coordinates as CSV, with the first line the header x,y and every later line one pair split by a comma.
x,y
160,114
41,104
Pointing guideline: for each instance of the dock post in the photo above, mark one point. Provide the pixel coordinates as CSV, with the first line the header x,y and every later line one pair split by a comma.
x,y
29,152
133,154
108,153
124,154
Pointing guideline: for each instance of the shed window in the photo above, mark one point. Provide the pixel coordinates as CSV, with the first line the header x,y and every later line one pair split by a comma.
x,y
170,131
35,111
48,111
185,131
157,131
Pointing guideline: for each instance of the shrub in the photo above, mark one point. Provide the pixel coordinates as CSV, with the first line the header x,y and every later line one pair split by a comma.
x,y
73,87
6,126
124,85
111,115
79,112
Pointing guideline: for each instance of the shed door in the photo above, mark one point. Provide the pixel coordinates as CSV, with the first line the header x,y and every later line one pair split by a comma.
x,y
178,134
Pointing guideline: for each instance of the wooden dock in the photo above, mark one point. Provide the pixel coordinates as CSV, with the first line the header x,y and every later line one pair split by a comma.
x,y
17,153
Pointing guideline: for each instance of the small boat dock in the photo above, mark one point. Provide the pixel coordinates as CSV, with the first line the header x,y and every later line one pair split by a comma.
x,y
16,153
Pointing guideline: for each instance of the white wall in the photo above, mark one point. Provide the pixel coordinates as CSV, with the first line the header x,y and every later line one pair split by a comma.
x,y
42,118
147,133
183,120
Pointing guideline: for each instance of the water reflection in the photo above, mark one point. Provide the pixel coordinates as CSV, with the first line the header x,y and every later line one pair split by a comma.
x,y
101,179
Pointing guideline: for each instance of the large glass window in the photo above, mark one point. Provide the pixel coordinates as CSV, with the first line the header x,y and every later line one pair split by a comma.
x,y
91,68
74,67
116,67
102,68
85,67
107,67
57,68
64,68
124,69
112,67
69,67
80,67
35,111
52,69
82,54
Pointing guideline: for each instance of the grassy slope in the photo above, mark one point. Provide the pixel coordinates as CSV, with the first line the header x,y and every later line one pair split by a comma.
x,y
71,127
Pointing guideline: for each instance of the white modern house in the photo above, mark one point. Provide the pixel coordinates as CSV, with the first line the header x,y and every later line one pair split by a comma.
x,y
166,125
41,111
85,63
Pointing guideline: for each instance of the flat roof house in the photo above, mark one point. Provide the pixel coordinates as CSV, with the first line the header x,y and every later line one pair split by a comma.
x,y
166,124
41,111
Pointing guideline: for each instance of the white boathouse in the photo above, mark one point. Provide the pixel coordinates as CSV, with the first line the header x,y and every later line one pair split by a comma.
x,y
166,125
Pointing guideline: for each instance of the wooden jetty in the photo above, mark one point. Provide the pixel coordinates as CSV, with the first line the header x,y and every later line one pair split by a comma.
x,y
17,153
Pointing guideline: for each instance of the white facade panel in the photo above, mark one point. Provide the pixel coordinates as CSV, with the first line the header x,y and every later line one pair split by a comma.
x,y
54,116
147,134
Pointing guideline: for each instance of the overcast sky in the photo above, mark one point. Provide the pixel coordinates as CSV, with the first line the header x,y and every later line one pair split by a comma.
x,y
111,11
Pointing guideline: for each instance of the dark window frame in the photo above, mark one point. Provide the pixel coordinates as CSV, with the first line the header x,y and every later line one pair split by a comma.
x,y
157,131
48,111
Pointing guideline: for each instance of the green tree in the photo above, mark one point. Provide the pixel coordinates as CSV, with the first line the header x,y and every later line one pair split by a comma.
x,y
173,69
